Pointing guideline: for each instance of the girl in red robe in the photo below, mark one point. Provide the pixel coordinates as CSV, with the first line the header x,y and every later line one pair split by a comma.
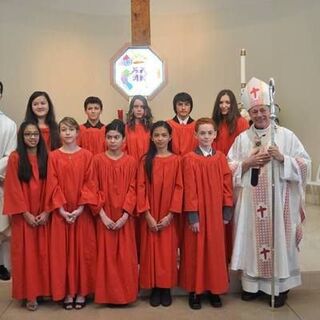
x,y
70,189
226,116
159,199
41,111
138,127
117,263
23,201
230,124
139,122
207,206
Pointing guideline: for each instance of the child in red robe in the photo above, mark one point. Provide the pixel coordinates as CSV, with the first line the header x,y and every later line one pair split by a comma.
x,y
23,201
183,140
70,189
41,111
207,206
117,263
230,124
159,199
139,122
92,133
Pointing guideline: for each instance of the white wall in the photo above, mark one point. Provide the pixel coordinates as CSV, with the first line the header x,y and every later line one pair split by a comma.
x,y
66,52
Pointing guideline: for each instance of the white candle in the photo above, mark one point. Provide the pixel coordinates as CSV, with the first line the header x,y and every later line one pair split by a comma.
x,y
243,66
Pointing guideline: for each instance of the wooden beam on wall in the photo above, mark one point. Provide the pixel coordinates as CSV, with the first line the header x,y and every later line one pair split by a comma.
x,y
140,22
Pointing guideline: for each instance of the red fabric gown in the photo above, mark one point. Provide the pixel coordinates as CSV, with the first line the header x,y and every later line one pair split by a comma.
x,y
223,143
45,133
208,187
137,141
92,139
117,263
137,145
183,139
29,245
224,140
72,246
158,251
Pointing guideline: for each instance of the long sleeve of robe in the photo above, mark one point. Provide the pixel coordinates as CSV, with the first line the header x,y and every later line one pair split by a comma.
x,y
117,264
207,189
29,245
72,246
158,250
252,220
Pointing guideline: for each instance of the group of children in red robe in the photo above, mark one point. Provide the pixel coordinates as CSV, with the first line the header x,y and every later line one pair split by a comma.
x,y
75,212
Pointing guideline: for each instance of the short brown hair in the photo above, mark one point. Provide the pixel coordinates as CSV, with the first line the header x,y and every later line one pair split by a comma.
x,y
70,122
201,121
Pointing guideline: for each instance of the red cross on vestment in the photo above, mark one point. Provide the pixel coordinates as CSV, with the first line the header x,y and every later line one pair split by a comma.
x,y
254,92
261,210
265,251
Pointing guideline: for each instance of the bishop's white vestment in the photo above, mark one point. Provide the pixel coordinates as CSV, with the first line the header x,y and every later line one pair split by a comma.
x,y
253,215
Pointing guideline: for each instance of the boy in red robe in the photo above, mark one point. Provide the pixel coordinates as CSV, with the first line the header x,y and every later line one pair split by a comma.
x,y
92,133
117,263
207,206
183,140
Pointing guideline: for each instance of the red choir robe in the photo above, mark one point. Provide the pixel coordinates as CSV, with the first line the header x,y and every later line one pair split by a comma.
x,y
29,245
137,145
137,141
223,143
183,137
72,246
92,138
158,251
207,188
224,139
45,133
117,263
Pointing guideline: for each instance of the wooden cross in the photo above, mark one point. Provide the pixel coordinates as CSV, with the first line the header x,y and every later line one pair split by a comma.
x,y
140,22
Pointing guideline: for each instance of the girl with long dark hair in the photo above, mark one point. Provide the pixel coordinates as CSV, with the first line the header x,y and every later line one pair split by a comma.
x,y
24,202
228,120
159,199
40,110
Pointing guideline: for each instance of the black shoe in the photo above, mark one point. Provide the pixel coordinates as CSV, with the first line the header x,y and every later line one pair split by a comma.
x,y
4,273
155,297
279,300
165,297
249,296
194,301
215,300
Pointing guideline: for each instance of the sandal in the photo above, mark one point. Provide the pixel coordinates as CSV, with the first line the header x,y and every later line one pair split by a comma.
x,y
32,305
78,305
68,303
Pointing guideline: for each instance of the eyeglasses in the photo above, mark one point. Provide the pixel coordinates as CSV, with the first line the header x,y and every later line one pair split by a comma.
x,y
31,134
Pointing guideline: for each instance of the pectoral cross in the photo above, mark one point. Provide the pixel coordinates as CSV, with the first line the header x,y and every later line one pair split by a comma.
x,y
140,22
